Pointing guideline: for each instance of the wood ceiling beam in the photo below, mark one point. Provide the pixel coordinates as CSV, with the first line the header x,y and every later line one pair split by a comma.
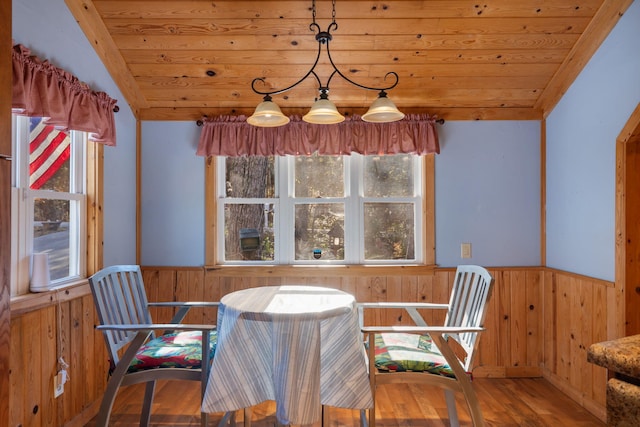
x,y
449,114
601,25
93,27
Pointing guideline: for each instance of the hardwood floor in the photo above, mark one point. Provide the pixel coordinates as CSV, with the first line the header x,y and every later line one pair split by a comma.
x,y
505,402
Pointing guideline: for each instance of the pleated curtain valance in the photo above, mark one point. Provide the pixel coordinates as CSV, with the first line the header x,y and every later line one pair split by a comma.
x,y
42,90
233,136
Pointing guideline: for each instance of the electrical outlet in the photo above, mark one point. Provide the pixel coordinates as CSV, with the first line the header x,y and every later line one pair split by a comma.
x,y
58,385
465,250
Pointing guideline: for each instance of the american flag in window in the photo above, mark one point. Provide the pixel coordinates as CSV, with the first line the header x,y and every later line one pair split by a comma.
x,y
49,152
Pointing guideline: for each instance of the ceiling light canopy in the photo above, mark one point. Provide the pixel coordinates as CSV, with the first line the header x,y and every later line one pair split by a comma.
x,y
323,111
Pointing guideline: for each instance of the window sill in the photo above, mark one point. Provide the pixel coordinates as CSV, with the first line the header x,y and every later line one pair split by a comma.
x,y
22,304
320,270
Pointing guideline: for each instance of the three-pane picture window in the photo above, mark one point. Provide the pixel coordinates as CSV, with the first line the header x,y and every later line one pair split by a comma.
x,y
320,209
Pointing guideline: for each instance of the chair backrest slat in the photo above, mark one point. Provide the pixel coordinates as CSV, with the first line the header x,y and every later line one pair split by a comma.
x,y
468,305
120,299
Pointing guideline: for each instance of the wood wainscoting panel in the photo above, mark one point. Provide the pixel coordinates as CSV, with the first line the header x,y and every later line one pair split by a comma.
x,y
511,346
576,315
540,323
64,328
512,343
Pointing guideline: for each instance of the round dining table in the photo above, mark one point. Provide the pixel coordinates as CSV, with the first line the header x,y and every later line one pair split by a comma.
x,y
300,346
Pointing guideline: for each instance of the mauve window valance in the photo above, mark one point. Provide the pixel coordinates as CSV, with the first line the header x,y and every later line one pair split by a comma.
x,y
233,136
42,90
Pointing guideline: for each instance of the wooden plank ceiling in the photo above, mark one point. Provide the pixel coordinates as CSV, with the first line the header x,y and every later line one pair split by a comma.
x,y
459,59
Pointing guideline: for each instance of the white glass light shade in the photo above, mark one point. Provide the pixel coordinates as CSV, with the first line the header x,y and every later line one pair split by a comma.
x,y
268,114
323,112
382,110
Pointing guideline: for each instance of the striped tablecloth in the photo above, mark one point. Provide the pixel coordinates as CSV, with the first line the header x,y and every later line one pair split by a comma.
x,y
297,345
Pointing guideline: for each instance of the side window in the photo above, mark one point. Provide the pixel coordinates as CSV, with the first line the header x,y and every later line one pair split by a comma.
x,y
48,201
320,209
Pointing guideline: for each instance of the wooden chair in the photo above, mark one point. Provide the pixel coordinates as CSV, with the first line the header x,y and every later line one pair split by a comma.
x,y
437,355
136,354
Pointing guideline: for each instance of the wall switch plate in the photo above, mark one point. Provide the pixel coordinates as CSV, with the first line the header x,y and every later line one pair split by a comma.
x,y
465,250
58,384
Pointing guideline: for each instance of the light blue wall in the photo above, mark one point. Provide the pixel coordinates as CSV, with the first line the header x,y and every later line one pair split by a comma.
x,y
49,30
488,193
487,176
581,137
172,195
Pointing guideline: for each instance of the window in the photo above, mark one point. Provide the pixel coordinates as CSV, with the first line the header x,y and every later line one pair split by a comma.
x,y
48,201
320,209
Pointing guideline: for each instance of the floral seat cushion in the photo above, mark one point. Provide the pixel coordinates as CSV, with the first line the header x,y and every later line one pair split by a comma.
x,y
397,352
176,350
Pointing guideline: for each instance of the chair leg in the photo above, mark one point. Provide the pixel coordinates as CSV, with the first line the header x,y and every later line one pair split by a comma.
x,y
229,418
372,415
248,413
474,405
450,398
145,415
363,418
107,400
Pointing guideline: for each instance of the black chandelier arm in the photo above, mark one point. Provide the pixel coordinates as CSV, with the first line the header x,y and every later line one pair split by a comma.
x,y
315,27
323,38
326,88
380,89
310,72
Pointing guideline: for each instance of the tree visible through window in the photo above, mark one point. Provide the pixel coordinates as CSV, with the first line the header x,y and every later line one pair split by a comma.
x,y
249,179
310,209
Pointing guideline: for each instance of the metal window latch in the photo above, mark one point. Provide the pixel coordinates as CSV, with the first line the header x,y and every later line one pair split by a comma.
x,y
5,157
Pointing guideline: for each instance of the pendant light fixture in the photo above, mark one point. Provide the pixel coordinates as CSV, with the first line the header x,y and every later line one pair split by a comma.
x,y
323,111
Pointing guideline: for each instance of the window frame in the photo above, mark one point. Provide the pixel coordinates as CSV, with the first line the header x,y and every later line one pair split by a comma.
x,y
22,208
424,231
